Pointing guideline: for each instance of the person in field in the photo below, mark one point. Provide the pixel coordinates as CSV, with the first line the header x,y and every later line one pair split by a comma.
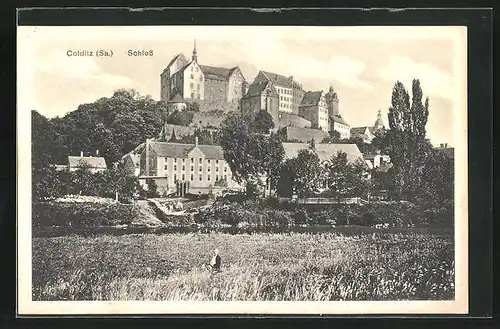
x,y
215,263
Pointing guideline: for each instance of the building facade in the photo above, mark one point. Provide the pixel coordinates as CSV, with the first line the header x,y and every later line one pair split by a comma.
x,y
336,121
315,109
262,96
290,91
203,167
198,82
94,164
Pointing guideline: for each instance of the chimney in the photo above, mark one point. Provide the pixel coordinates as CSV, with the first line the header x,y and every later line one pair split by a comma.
x,y
81,154
196,141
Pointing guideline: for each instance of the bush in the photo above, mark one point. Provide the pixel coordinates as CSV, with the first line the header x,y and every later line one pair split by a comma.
x,y
81,214
258,214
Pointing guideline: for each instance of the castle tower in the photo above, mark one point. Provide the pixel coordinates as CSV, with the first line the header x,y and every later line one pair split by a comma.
x,y
195,56
379,124
332,100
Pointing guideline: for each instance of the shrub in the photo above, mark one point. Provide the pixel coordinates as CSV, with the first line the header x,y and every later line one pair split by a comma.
x,y
81,214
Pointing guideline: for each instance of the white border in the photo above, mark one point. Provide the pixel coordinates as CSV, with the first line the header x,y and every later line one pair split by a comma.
x,y
28,307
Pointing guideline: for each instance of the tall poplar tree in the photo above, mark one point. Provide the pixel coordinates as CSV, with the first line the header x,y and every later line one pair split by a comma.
x,y
408,145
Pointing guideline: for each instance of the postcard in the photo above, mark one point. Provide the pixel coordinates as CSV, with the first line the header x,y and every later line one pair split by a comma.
x,y
242,170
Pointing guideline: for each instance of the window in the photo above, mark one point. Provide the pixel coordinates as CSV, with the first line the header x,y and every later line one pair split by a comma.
x,y
225,169
175,177
175,168
197,69
216,178
208,169
201,160
217,169
192,95
209,178
192,76
201,78
166,167
208,161
183,160
183,177
201,177
198,87
192,177
192,168
216,161
225,177
183,168
175,160
191,85
201,168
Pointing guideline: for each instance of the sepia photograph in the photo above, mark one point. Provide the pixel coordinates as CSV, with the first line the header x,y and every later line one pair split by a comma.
x,y
242,169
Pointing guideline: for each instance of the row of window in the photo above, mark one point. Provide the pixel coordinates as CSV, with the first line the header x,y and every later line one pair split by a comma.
x,y
284,91
200,177
200,160
200,168
286,99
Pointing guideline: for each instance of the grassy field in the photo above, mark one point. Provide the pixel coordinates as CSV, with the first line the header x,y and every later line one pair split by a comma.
x,y
328,266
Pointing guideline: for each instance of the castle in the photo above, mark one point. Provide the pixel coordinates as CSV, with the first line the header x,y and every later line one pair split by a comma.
x,y
192,81
309,113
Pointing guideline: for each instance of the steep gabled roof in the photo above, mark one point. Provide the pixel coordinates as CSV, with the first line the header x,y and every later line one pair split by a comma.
x,y
92,162
311,98
278,79
216,73
325,151
338,118
174,59
256,89
178,150
360,130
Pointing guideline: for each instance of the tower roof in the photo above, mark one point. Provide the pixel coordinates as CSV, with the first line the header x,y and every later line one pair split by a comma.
x,y
379,122
195,56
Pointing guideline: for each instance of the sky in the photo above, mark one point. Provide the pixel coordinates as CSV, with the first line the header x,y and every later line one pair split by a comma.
x,y
361,63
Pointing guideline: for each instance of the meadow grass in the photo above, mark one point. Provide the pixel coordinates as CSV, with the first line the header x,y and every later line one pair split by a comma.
x,y
296,266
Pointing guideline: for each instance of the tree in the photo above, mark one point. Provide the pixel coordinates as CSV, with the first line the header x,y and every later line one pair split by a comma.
x,y
262,123
152,191
406,138
84,182
333,138
46,183
114,126
181,118
205,137
252,157
304,174
438,177
42,141
346,179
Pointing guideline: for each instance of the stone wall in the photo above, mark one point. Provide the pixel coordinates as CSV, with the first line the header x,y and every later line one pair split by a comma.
x,y
207,105
292,120
212,120
303,135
